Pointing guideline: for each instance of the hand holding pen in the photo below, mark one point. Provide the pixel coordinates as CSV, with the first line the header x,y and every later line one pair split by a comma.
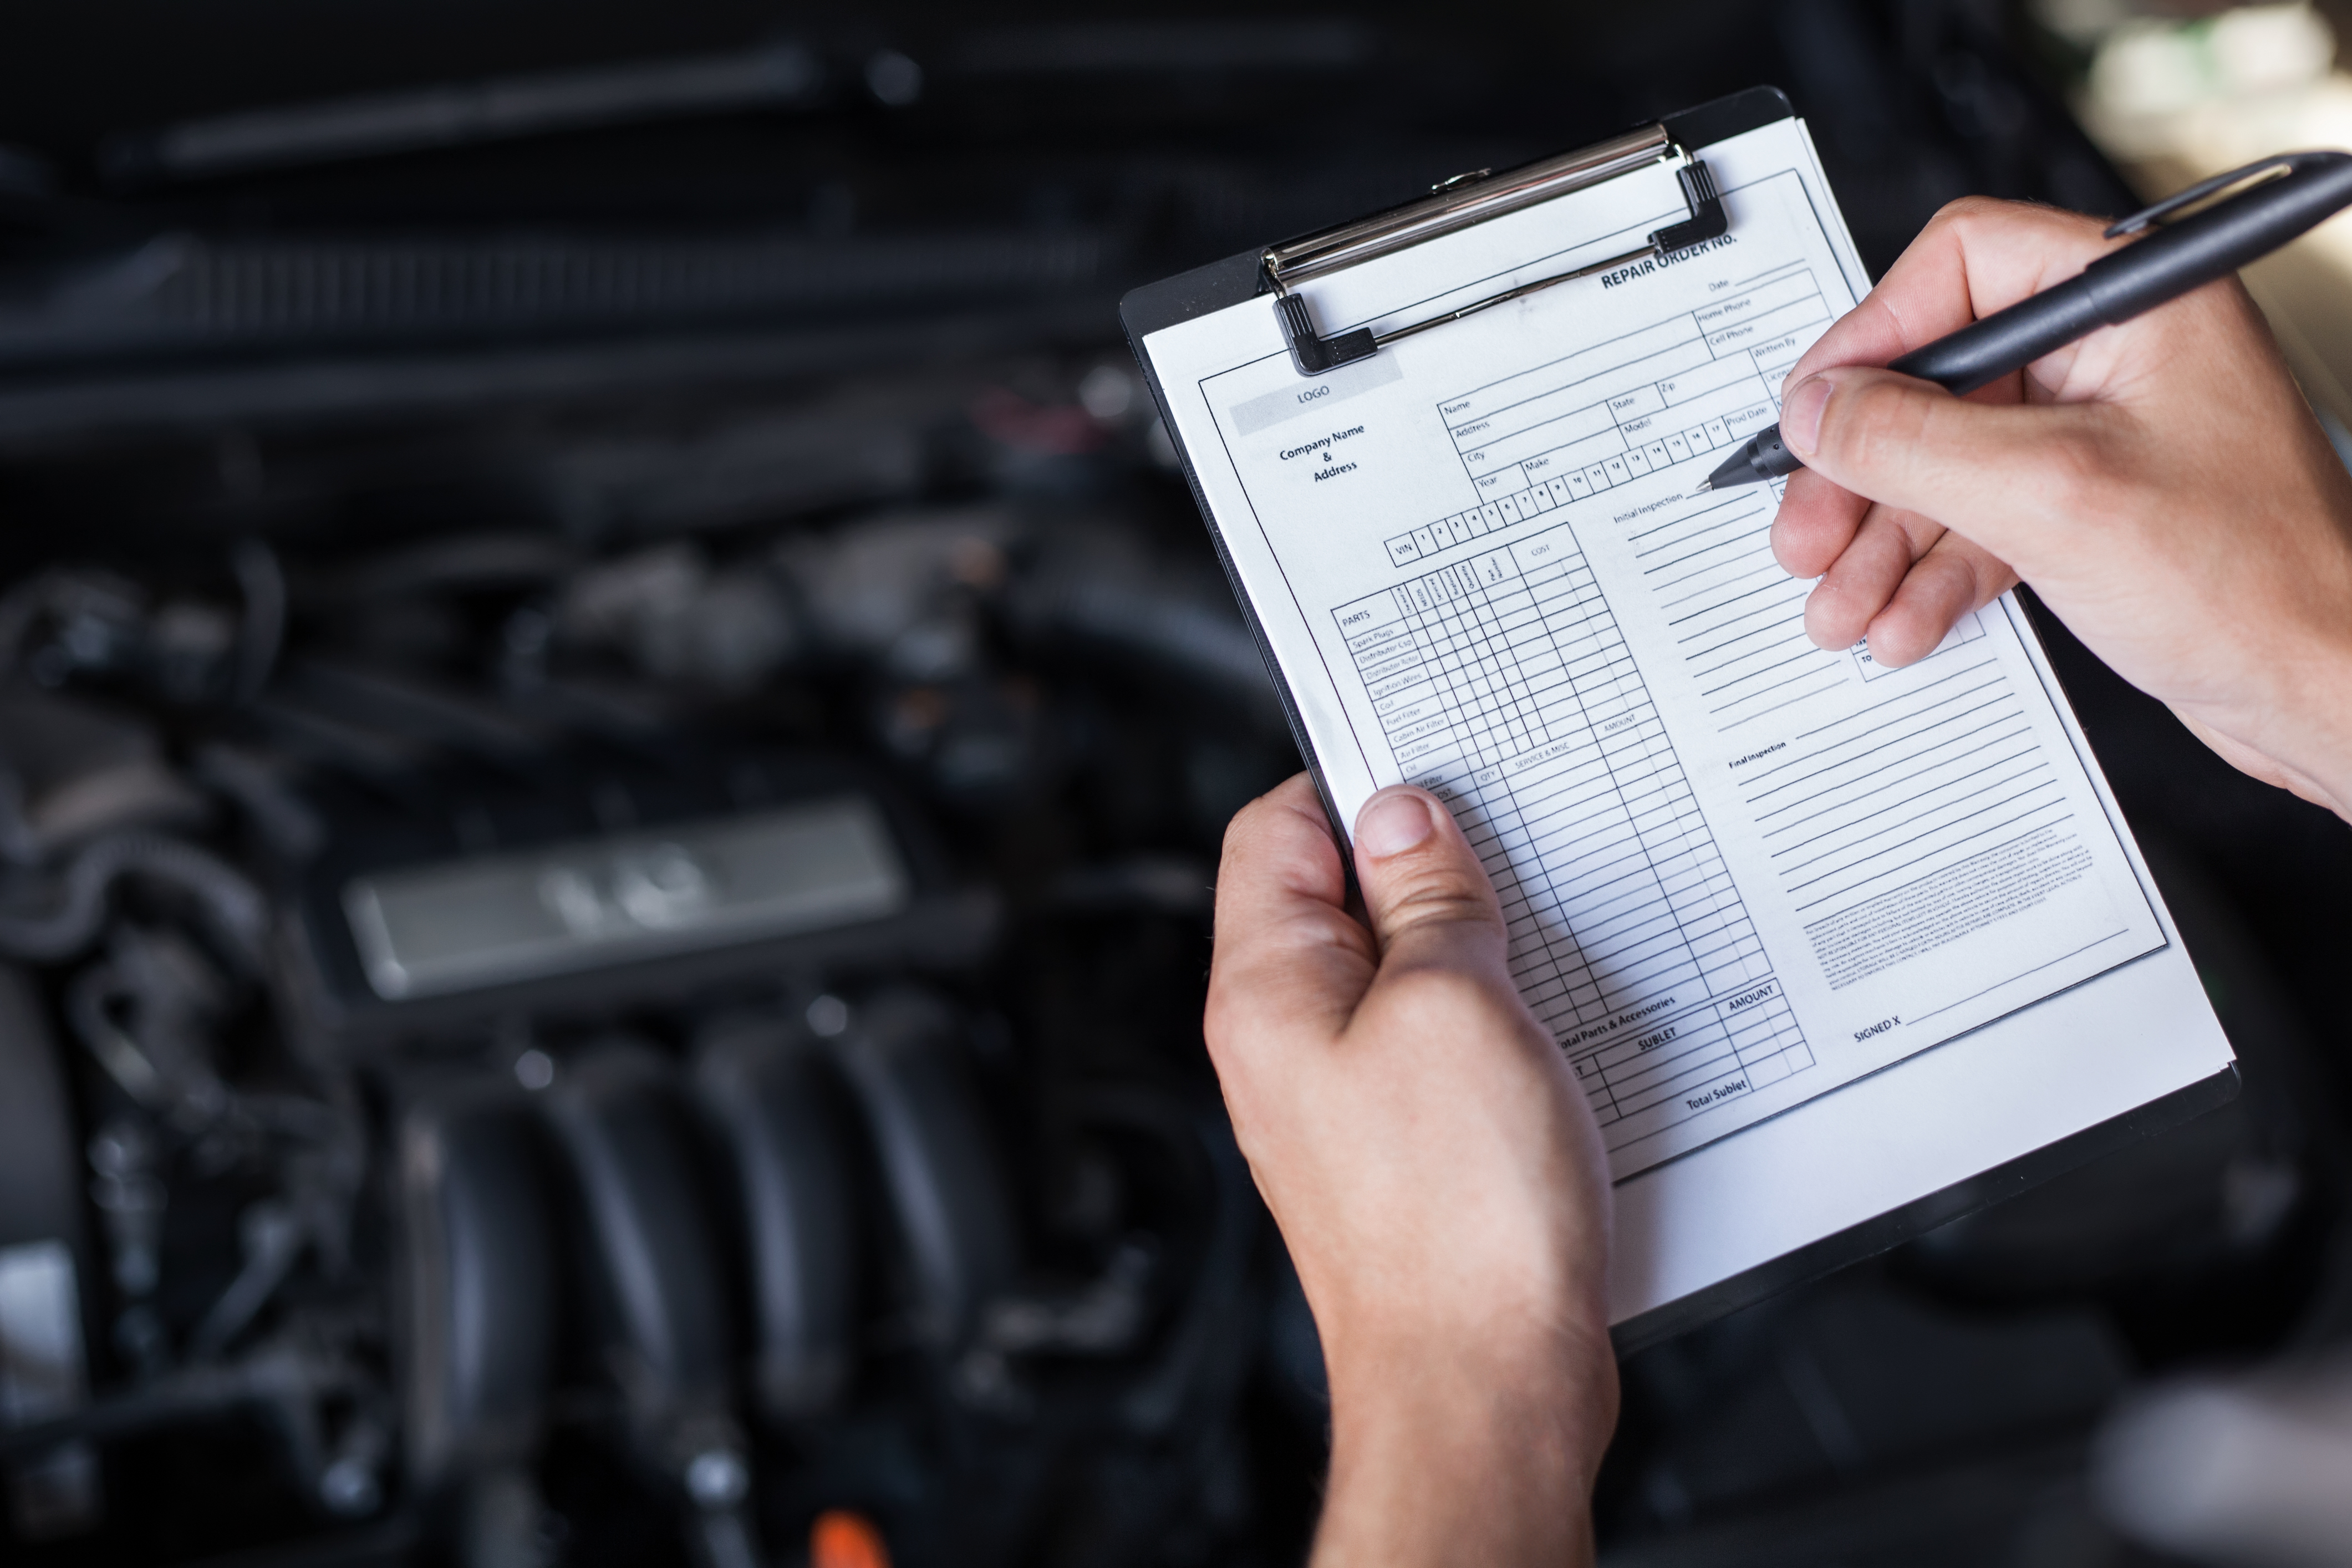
x,y
2163,488
2298,191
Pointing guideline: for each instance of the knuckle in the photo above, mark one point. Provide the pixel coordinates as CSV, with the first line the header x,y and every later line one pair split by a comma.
x,y
1963,210
1437,895
1437,916
1880,421
1226,1037
1220,1025
1917,532
1987,229
1235,1024
1977,215
1969,218
1246,825
1963,581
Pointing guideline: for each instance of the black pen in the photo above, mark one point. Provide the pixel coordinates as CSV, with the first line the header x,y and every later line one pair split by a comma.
x,y
2178,256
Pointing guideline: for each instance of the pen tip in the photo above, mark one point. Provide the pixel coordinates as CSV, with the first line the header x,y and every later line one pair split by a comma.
x,y
1704,486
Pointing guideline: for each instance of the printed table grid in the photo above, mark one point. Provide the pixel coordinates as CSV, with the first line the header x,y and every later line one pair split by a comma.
x,y
1502,683
1685,387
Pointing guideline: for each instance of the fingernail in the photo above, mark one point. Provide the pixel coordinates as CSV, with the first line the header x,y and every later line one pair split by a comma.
x,y
1800,415
1391,823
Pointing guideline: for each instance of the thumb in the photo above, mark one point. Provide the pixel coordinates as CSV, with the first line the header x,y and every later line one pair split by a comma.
x,y
1429,899
1990,471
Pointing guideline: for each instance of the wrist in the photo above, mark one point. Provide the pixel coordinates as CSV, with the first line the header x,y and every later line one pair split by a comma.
x,y
1556,1407
2312,713
1467,1447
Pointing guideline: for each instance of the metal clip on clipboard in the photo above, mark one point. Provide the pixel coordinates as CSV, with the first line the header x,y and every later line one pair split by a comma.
x,y
1468,199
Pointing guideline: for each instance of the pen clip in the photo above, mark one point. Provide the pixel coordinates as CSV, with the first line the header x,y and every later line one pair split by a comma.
x,y
2194,194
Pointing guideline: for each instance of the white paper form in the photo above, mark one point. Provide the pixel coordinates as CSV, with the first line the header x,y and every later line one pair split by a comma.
x,y
1739,871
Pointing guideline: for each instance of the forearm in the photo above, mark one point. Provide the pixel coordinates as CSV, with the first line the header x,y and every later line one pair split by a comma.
x,y
1466,1453
1438,1178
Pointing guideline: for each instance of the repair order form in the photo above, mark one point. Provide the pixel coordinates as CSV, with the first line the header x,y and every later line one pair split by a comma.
x,y
1739,871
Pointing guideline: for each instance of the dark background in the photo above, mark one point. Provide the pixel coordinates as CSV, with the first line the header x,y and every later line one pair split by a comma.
x,y
1933,1406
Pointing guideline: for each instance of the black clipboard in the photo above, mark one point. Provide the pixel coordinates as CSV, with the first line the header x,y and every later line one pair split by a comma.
x,y
1257,274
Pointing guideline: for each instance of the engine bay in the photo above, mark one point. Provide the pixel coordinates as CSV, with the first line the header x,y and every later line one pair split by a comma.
x,y
614,740
523,997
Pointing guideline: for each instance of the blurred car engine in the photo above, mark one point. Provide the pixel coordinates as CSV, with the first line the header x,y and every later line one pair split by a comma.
x,y
614,725
515,993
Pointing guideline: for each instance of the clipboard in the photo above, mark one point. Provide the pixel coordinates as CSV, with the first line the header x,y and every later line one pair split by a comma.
x,y
1271,274
1454,204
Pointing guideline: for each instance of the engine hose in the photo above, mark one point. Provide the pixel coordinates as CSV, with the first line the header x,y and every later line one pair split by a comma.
x,y
263,582
232,906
